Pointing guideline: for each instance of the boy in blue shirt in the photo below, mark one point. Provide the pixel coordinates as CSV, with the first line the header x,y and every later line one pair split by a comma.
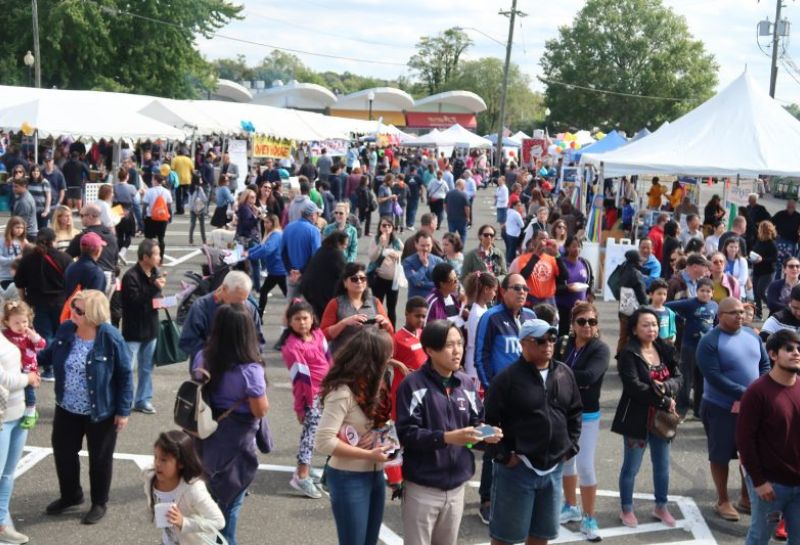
x,y
667,329
698,314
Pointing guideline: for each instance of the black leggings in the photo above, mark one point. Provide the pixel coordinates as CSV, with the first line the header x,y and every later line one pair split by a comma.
x,y
156,230
364,216
382,289
266,286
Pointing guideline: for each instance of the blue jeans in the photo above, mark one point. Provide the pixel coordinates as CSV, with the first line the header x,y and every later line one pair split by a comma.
x,y
143,354
357,499
30,396
137,212
411,212
231,515
765,514
632,461
458,226
12,440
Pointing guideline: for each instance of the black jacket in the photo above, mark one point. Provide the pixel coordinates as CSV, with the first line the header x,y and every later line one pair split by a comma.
x,y
543,424
638,392
42,278
424,413
110,254
321,276
589,368
139,318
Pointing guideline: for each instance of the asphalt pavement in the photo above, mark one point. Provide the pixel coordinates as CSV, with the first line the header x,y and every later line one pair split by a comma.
x,y
274,513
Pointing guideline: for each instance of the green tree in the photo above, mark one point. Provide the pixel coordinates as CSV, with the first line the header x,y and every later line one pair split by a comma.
x,y
484,77
793,109
233,69
99,44
637,47
436,61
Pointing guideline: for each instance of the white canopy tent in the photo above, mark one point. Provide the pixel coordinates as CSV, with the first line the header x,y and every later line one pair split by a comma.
x,y
740,131
451,137
519,136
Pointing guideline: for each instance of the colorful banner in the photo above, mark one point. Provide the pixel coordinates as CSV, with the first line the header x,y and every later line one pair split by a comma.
x,y
333,148
532,149
266,146
426,120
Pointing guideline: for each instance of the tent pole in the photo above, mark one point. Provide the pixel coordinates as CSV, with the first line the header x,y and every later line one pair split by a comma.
x,y
36,146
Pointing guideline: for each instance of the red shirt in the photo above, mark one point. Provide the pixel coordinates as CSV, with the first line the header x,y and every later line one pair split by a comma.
x,y
656,234
407,350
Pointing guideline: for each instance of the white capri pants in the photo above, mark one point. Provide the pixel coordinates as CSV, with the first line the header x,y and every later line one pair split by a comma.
x,y
582,463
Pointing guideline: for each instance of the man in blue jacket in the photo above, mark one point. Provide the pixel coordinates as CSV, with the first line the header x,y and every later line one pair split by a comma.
x,y
300,240
496,347
418,267
438,410
731,357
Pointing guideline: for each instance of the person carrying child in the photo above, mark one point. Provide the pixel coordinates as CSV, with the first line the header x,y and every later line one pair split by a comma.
x,y
305,352
17,328
177,497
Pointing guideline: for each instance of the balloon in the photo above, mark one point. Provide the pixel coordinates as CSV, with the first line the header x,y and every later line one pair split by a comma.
x,y
552,149
572,145
26,128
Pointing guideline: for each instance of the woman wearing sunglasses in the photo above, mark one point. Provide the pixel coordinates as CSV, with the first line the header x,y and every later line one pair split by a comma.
x,y
588,357
779,291
385,251
352,308
94,394
486,257
574,283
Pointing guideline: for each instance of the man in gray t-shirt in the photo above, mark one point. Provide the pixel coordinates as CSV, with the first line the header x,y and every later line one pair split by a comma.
x,y
25,207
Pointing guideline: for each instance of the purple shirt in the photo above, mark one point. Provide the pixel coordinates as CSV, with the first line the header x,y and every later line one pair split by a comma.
x,y
576,272
243,381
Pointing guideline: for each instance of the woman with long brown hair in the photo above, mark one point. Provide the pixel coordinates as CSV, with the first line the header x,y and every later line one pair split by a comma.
x,y
356,405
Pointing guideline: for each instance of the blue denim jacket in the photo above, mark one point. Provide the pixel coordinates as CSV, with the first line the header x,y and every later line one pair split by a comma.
x,y
108,369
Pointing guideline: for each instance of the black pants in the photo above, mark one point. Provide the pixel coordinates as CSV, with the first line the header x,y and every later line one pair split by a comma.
x,y
760,284
437,208
382,289
269,283
181,194
157,230
101,438
364,216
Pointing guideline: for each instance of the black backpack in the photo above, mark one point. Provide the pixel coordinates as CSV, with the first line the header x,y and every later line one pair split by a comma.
x,y
192,413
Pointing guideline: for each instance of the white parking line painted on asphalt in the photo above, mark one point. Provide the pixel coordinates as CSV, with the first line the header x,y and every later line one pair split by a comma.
x,y
177,261
692,520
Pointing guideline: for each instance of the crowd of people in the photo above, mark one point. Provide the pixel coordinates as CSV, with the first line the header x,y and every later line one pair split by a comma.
x,y
498,350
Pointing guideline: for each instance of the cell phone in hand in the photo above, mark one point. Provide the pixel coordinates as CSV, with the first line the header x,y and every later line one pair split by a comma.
x,y
370,321
486,431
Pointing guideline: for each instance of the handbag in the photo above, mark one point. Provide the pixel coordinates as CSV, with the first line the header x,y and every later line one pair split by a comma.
x,y
399,280
167,349
663,424
264,440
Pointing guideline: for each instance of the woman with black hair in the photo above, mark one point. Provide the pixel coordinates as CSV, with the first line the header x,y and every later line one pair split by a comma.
x,y
385,251
238,398
352,308
356,407
671,243
323,271
443,302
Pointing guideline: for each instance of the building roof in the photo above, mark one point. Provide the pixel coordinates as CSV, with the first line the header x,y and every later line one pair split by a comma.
x,y
386,98
450,101
232,91
306,96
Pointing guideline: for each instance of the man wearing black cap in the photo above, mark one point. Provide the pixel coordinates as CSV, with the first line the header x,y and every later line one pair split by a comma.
x,y
536,402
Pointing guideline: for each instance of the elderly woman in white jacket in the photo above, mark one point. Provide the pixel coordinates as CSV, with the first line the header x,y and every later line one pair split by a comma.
x,y
12,436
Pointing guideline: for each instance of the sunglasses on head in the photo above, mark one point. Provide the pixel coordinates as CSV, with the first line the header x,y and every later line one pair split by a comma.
x,y
583,321
76,310
357,278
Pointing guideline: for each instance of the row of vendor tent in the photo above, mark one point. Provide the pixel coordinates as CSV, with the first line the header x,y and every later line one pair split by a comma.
x,y
91,115
740,131
455,136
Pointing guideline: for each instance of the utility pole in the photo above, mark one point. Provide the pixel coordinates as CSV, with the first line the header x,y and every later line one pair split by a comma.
x,y
773,77
512,14
37,56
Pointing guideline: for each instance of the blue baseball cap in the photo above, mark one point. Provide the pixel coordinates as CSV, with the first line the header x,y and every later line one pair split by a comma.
x,y
537,329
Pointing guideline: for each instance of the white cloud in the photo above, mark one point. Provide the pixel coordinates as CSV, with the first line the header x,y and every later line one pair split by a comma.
x,y
380,30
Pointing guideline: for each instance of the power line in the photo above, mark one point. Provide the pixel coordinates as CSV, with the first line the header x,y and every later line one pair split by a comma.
x,y
115,11
607,92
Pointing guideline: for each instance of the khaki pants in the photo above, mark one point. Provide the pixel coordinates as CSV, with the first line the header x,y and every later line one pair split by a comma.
x,y
431,516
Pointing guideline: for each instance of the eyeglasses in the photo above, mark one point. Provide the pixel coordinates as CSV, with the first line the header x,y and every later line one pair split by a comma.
x,y
76,310
520,288
791,348
793,266
487,235
551,339
583,321
358,278
338,213
387,225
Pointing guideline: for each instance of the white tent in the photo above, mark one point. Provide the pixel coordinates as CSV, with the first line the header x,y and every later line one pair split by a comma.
x,y
740,131
86,117
454,136
519,136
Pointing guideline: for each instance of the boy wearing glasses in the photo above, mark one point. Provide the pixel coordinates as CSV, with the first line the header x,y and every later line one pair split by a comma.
x,y
537,403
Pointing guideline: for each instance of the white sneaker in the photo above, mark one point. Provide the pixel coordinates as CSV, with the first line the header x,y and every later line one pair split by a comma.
x,y
10,535
306,486
570,513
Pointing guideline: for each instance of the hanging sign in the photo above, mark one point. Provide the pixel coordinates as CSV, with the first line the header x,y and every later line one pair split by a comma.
x,y
266,146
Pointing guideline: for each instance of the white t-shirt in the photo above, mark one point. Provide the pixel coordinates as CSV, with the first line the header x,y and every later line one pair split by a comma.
x,y
152,194
514,223
169,536
502,196
475,314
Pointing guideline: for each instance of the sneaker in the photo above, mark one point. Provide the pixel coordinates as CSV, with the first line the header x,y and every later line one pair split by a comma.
x,y
145,409
628,519
306,486
589,529
28,422
663,514
570,513
48,376
60,505
780,532
10,535
485,512
94,515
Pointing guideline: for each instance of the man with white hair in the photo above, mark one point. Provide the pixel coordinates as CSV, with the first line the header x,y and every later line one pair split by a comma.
x,y
235,288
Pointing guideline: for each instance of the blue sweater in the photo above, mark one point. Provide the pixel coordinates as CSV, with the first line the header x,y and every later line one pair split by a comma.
x,y
301,239
269,253
197,327
730,363
698,318
497,341
419,276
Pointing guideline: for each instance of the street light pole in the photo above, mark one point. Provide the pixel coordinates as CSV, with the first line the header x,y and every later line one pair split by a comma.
x,y
37,56
371,98
29,61
512,15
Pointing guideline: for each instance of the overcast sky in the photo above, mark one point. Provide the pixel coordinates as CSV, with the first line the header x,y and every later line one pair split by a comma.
x,y
384,31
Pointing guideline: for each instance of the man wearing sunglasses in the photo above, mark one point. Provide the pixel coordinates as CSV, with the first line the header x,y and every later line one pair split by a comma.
x,y
730,357
766,435
537,403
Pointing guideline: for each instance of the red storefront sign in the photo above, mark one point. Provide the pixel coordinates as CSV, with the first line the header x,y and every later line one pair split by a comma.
x,y
431,120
